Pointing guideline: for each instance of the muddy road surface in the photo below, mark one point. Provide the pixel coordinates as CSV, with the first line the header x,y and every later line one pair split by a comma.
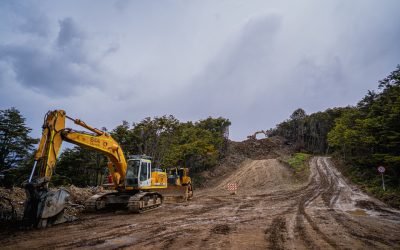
x,y
271,210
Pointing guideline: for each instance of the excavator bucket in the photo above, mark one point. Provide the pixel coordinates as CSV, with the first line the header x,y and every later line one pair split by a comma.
x,y
45,207
173,194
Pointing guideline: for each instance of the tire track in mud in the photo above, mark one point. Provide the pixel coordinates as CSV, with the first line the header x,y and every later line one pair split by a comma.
x,y
313,193
277,236
329,188
318,198
364,234
306,195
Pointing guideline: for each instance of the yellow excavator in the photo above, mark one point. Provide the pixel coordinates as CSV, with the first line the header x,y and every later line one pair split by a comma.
x,y
136,181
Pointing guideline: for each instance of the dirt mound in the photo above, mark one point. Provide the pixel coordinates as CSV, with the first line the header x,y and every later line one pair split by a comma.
x,y
258,176
239,152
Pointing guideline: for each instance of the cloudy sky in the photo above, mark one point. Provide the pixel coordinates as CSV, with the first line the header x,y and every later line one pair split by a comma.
x,y
253,62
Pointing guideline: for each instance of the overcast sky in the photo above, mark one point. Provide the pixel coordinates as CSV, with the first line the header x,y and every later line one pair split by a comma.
x,y
253,62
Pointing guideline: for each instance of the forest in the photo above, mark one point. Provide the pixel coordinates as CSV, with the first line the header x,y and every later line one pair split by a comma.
x,y
361,137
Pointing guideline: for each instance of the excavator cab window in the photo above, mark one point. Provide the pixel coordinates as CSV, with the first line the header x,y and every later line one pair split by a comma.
x,y
143,171
144,174
132,173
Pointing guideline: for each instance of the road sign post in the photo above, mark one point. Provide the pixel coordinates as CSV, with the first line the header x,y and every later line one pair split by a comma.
x,y
381,170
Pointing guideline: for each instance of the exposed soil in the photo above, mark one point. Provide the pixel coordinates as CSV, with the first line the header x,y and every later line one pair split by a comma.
x,y
271,210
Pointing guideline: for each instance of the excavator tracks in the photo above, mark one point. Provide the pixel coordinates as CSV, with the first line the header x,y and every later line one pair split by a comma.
x,y
144,202
95,203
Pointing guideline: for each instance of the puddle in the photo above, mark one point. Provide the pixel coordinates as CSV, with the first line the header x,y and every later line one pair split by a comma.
x,y
118,242
358,212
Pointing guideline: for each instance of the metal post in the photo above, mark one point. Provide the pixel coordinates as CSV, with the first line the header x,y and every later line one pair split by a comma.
x,y
383,183
33,171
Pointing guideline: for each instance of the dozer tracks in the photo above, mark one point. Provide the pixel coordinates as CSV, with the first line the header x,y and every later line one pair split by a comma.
x,y
144,202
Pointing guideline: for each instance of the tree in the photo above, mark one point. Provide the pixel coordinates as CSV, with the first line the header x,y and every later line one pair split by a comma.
x,y
219,127
192,147
125,137
154,136
308,132
15,142
81,167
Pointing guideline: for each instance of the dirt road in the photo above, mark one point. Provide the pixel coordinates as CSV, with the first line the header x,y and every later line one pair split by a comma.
x,y
271,210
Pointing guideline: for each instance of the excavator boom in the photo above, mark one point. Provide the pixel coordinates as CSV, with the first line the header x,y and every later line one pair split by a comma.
x,y
44,206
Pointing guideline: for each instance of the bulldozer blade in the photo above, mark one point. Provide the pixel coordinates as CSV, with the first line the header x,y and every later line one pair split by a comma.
x,y
44,207
173,194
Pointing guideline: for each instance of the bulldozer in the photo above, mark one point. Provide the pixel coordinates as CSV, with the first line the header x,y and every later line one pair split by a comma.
x,y
179,185
138,186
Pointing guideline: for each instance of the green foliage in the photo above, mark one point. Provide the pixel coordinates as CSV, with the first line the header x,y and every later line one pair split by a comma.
x,y
369,135
308,132
16,176
219,128
193,147
15,142
299,163
125,137
154,137
298,159
81,167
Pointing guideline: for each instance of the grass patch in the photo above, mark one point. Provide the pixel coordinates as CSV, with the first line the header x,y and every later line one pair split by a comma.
x,y
299,164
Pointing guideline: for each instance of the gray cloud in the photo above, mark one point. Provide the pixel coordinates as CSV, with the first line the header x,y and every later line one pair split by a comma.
x,y
253,62
69,35
234,76
55,68
25,16
35,24
40,71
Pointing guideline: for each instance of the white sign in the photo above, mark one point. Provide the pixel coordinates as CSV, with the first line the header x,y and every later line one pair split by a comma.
x,y
381,169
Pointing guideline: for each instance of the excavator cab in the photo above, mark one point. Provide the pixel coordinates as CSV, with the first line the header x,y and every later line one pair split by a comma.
x,y
132,173
141,175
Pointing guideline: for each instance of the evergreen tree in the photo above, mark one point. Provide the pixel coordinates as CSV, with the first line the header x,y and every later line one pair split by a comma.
x,y
15,142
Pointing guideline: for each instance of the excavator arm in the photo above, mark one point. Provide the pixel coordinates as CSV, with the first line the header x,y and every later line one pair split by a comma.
x,y
44,206
49,145
104,144
55,132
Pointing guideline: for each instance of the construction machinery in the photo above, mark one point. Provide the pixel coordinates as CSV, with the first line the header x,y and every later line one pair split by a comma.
x,y
135,181
179,185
